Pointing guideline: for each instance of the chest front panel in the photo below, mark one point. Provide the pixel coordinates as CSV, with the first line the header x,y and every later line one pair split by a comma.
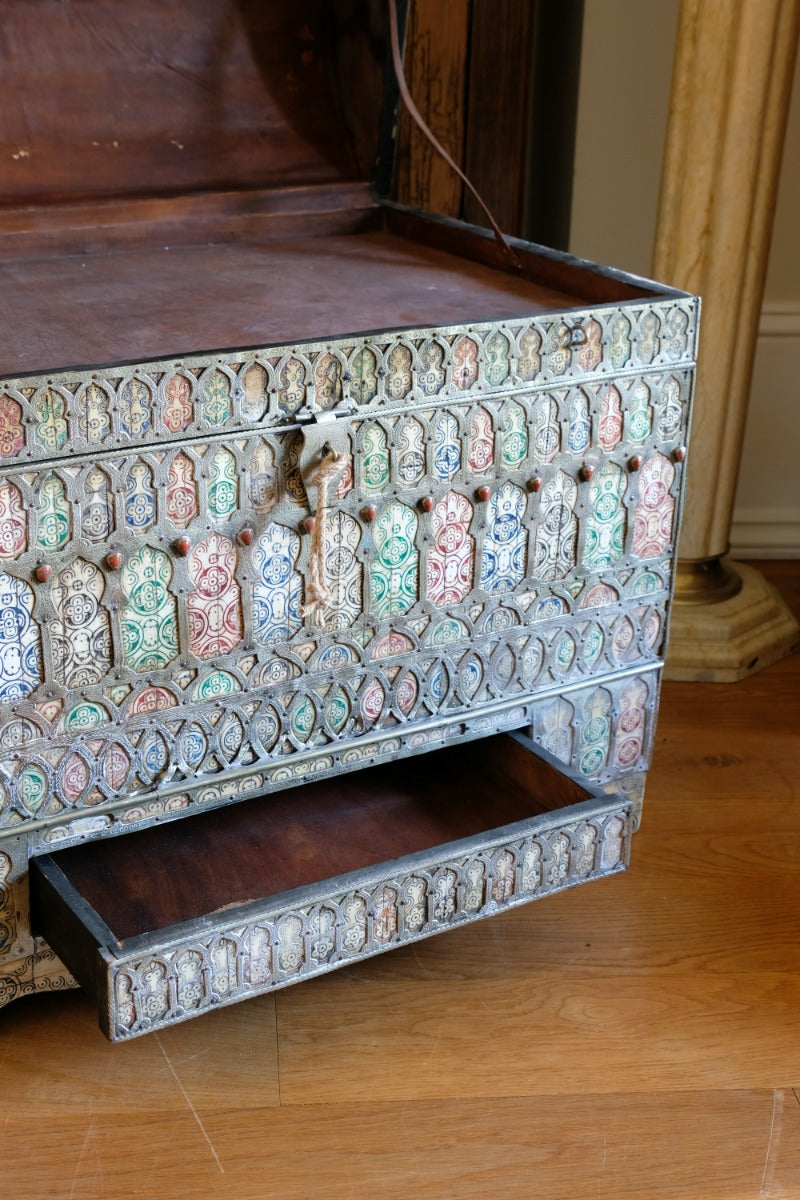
x,y
492,545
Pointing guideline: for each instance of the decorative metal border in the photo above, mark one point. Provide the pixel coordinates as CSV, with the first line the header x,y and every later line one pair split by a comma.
x,y
43,417
563,742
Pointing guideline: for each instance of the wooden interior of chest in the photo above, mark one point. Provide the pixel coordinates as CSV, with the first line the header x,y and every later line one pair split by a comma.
x,y
185,177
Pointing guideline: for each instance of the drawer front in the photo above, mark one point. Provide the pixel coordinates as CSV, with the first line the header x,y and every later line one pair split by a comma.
x,y
480,541
150,988
145,982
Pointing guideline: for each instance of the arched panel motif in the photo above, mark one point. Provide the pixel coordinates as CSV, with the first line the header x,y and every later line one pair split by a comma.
x,y
215,684
343,571
546,432
398,376
214,607
410,451
373,698
97,510
629,738
451,558
465,363
254,384
345,484
606,518
431,373
54,520
364,373
556,729
223,485
133,402
555,542
262,478
50,426
599,595
337,709
590,352
177,412
497,359
13,521
504,545
375,459
394,569
654,513
216,394
610,432
181,491
294,487
514,436
278,594
20,654
81,630
558,348
676,341
640,421
328,380
152,699
391,644
620,349
291,386
670,409
579,425
447,448
530,359
12,431
649,340
149,618
140,500
91,404
481,442
595,732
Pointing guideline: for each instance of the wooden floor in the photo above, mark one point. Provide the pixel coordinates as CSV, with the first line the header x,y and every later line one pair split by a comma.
x,y
636,1038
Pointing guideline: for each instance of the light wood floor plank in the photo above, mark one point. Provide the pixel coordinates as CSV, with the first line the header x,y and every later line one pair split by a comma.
x,y
635,1039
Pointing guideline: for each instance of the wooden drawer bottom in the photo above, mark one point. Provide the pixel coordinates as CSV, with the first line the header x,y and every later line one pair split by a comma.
x,y
167,923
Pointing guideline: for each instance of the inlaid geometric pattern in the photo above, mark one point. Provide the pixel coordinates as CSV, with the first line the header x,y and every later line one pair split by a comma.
x,y
464,524
149,618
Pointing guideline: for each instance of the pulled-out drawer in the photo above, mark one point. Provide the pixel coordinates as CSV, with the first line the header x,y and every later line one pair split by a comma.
x,y
167,923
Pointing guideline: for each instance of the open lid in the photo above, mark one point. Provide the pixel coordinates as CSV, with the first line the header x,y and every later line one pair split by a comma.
x,y
105,99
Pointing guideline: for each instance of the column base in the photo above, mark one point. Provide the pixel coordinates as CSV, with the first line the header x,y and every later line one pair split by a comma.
x,y
725,640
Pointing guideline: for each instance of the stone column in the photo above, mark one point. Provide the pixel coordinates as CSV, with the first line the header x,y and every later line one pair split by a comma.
x,y
731,86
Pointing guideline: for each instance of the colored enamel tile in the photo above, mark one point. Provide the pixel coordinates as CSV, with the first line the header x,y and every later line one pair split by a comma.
x,y
149,618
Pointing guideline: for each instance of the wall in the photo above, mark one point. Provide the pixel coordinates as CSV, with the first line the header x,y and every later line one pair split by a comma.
x,y
622,108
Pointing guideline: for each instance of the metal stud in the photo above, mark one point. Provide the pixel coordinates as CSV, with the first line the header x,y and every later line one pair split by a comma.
x,y
535,484
586,472
483,492
308,524
427,503
635,462
42,573
369,512
182,546
245,536
679,454
114,560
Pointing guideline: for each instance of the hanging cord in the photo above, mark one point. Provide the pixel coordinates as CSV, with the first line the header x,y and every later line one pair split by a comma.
x,y
318,593
416,116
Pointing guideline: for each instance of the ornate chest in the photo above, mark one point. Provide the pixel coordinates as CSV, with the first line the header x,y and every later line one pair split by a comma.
x,y
346,635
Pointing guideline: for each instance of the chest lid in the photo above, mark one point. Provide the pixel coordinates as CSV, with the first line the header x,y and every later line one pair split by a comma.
x,y
104,100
